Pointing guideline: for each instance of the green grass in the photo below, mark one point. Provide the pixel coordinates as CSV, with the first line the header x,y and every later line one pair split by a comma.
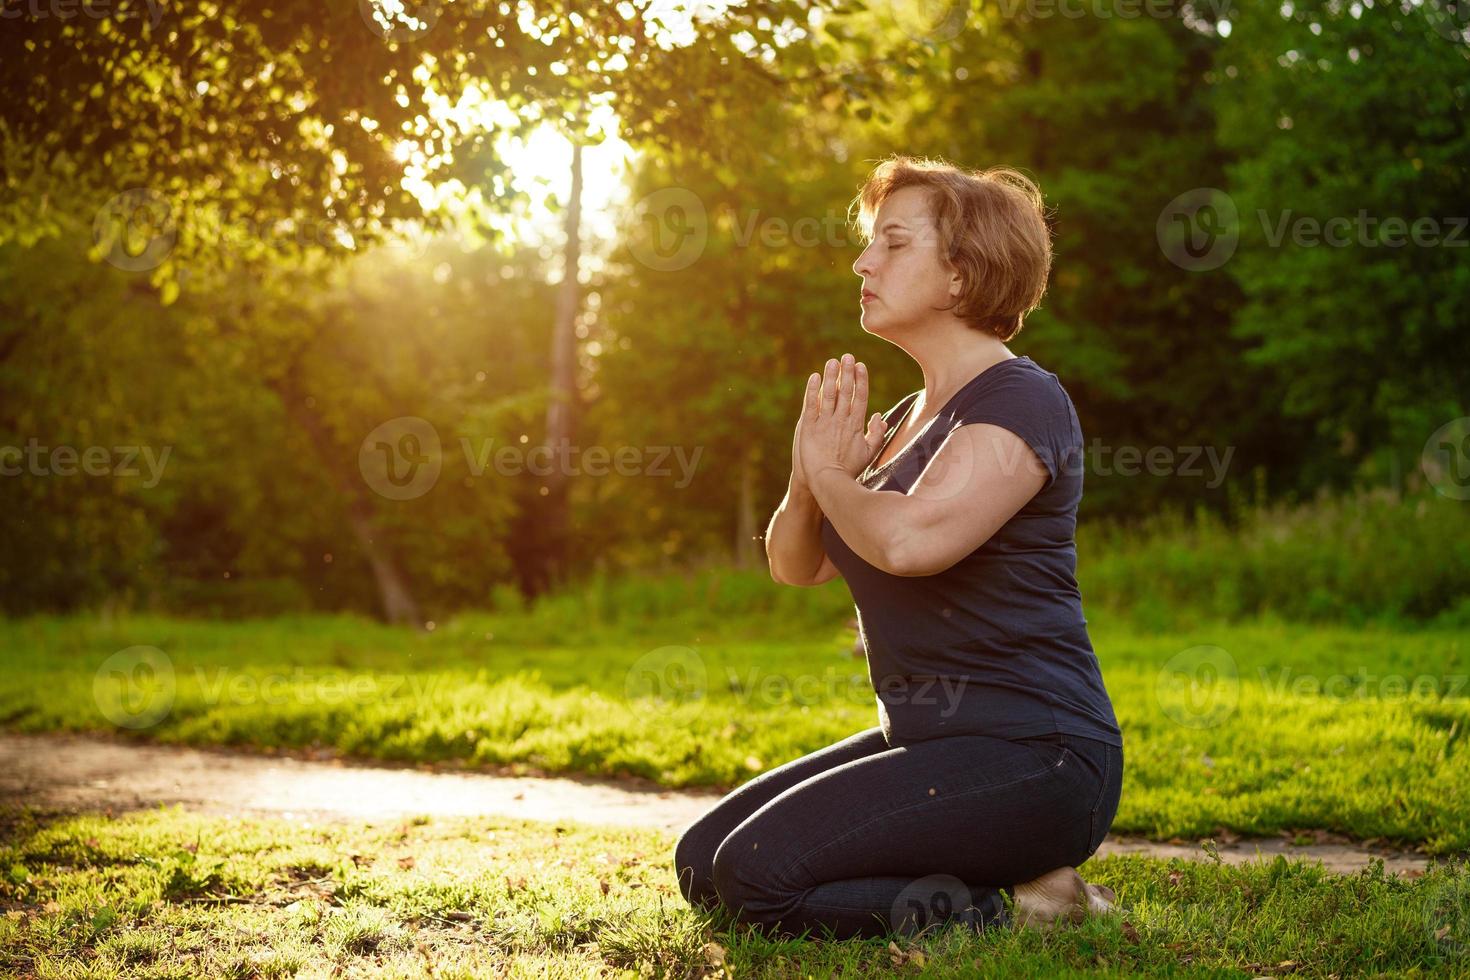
x,y
1306,729
161,893
1233,719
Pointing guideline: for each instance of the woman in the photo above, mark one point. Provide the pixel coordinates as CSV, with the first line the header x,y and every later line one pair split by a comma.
x,y
996,766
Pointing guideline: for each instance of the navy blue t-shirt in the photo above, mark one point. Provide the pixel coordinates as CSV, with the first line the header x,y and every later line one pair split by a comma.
x,y
996,644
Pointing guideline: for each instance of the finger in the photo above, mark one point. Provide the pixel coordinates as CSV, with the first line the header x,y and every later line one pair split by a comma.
x,y
809,397
850,407
829,388
876,429
859,390
844,387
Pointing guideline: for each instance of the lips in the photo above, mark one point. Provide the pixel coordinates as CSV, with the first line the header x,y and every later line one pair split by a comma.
x,y
867,295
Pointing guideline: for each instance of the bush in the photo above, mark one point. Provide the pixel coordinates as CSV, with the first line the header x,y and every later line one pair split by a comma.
x,y
1373,556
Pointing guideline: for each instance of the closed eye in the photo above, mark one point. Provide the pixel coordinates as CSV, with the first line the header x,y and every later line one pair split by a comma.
x,y
892,248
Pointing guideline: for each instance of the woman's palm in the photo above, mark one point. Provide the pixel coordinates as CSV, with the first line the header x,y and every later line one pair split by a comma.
x,y
872,438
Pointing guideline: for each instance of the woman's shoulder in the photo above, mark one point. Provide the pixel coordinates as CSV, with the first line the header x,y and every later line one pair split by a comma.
x,y
1036,373
1020,383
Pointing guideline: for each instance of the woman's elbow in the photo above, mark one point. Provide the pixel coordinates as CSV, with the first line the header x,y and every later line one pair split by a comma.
x,y
917,555
904,558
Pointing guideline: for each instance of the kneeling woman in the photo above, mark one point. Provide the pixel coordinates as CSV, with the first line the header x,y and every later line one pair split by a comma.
x,y
996,767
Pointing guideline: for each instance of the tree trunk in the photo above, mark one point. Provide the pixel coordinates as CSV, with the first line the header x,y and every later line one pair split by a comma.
x,y
561,414
394,594
747,548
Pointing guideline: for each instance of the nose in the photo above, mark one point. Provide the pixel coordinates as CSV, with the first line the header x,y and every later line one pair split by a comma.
x,y
863,266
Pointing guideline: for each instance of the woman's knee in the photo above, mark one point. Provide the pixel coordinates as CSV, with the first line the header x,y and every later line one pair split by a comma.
x,y
743,879
694,866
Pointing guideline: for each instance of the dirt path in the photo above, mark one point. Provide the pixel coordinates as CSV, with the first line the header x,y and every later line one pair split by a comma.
x,y
75,772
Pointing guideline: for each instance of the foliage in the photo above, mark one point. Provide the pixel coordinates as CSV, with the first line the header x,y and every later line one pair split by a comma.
x,y
1343,119
270,341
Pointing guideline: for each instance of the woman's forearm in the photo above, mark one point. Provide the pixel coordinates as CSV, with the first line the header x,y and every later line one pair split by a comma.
x,y
866,520
794,537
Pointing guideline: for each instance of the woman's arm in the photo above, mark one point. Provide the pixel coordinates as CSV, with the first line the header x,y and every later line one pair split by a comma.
x,y
981,476
794,539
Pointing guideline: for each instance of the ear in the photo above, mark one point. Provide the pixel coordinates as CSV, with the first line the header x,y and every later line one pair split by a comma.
x,y
956,285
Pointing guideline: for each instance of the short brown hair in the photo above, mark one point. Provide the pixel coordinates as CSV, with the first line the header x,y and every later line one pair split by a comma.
x,y
991,226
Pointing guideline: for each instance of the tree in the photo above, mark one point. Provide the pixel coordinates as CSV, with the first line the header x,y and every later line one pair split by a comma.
x,y
1112,116
299,113
1350,182
296,120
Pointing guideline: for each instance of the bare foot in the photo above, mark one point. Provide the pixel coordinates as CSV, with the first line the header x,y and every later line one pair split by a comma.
x,y
1060,895
1100,899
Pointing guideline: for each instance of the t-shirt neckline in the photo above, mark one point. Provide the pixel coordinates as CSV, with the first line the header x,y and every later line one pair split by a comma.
x,y
919,436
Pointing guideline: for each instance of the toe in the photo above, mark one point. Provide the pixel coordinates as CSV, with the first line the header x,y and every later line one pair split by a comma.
x,y
1100,899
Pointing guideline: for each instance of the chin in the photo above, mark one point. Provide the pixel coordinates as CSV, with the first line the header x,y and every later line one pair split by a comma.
x,y
875,322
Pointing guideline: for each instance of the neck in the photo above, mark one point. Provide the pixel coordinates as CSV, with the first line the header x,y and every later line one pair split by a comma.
x,y
951,358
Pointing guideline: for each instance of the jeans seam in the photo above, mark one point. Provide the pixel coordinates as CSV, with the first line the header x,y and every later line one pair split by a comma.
x,y
1107,772
913,806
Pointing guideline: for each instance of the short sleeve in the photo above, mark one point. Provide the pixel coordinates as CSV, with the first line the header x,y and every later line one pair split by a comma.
x,y
1031,405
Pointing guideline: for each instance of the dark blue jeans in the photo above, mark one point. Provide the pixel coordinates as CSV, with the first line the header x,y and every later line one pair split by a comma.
x,y
864,839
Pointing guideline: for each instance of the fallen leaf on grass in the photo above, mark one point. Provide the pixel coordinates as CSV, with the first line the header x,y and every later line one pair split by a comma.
x,y
899,957
405,863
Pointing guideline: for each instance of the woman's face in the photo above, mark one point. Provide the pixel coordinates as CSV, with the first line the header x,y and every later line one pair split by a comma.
x,y
903,277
